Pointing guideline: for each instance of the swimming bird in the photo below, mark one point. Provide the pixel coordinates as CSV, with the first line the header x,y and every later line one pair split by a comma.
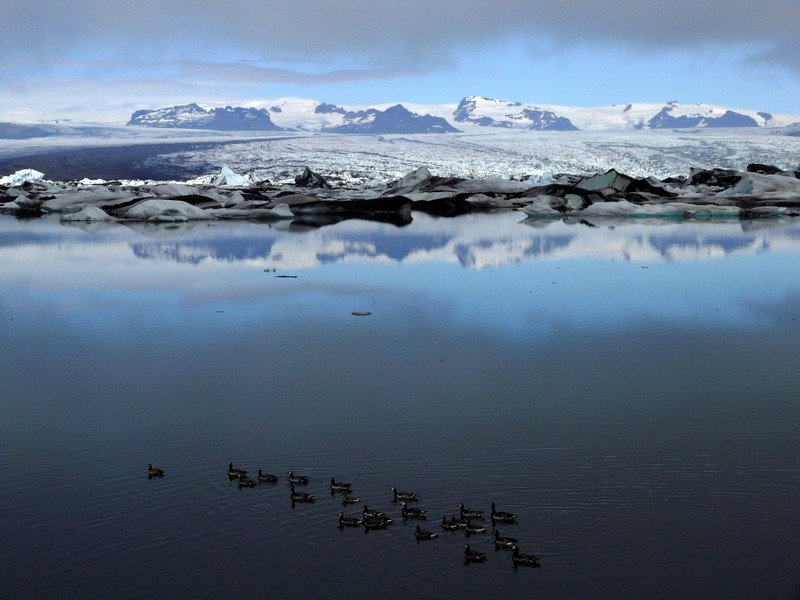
x,y
301,496
348,499
245,481
473,555
502,517
521,559
408,496
234,473
338,486
424,534
471,529
375,524
349,521
154,471
470,513
503,542
267,477
450,526
300,479
371,513
412,513
375,519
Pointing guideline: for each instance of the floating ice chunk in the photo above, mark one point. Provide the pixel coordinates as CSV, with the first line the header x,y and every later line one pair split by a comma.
x,y
226,177
166,210
87,181
543,207
283,211
765,186
90,213
21,176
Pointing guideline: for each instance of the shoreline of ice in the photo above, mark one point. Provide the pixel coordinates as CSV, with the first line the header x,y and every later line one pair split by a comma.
x,y
759,192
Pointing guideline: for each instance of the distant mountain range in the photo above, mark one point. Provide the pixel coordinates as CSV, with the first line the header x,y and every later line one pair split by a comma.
x,y
395,119
471,114
293,114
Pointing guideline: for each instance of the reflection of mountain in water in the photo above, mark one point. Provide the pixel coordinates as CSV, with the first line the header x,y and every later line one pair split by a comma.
x,y
476,248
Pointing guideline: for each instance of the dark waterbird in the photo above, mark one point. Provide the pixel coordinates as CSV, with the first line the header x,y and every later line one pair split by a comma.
x,y
521,559
266,477
297,479
407,496
301,496
473,555
338,486
349,499
502,517
450,525
412,513
470,513
503,542
349,521
233,473
245,481
424,534
154,471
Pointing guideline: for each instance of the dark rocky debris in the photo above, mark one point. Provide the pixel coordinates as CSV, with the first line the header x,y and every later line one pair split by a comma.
x,y
759,192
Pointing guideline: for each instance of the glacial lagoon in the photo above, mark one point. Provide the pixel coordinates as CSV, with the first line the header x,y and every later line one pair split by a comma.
x,y
630,389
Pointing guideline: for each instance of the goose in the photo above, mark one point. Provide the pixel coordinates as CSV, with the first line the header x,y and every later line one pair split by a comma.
x,y
502,517
301,496
297,478
503,542
348,499
424,534
450,526
234,473
459,523
338,486
473,555
470,513
267,477
524,560
412,513
371,513
245,481
375,524
154,471
375,517
349,521
408,496
471,529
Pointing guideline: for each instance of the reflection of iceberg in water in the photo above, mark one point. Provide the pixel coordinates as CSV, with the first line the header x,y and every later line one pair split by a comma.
x,y
474,241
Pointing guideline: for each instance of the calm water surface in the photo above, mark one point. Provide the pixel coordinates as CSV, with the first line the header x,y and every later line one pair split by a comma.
x,y
630,390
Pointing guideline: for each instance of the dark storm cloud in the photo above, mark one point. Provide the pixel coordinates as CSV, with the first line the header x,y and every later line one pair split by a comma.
x,y
404,34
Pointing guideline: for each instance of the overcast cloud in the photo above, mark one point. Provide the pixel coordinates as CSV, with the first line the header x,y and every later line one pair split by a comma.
x,y
319,42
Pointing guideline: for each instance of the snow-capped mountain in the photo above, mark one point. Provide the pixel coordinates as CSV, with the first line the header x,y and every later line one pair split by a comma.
x,y
395,119
489,112
472,113
483,111
192,116
329,119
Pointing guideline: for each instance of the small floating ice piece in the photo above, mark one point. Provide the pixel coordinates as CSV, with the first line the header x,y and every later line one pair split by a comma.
x,y
90,213
165,210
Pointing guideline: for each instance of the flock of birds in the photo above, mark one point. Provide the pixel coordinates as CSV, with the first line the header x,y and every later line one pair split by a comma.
x,y
375,519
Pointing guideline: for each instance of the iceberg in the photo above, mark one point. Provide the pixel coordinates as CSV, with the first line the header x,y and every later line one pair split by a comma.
x,y
20,177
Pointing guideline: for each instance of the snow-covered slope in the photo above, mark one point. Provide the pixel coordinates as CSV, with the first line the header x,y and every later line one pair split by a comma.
x,y
295,114
471,114
192,116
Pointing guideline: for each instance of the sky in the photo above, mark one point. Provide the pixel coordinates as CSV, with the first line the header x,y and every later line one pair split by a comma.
x,y
101,60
